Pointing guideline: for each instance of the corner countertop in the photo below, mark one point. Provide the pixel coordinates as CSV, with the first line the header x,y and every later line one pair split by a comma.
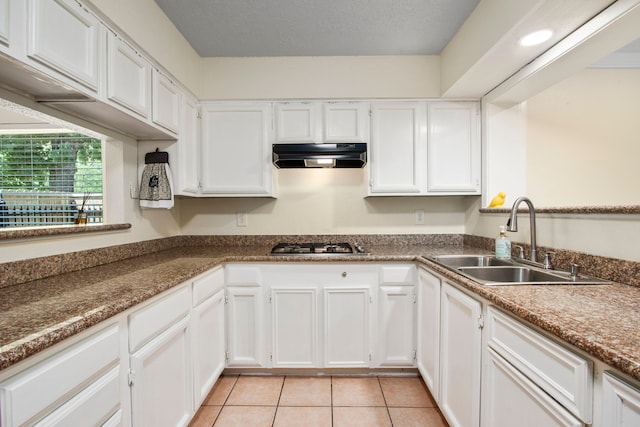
x,y
601,320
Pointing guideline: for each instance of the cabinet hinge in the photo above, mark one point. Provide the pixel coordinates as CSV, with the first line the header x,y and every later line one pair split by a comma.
x,y
270,299
226,301
131,376
481,321
198,114
226,356
415,354
271,357
370,358
415,299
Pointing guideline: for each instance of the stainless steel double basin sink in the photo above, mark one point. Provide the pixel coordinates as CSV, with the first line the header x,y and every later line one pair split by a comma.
x,y
489,270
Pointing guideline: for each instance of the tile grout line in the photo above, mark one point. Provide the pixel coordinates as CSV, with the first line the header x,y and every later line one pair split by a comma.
x,y
386,405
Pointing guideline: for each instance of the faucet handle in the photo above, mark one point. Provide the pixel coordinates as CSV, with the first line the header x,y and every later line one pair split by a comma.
x,y
519,250
574,271
547,260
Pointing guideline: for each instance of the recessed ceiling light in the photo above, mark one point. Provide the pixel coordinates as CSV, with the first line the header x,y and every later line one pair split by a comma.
x,y
536,38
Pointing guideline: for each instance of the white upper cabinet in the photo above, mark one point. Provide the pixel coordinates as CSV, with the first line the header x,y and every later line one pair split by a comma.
x,y
318,122
398,137
298,122
4,22
128,77
453,148
187,173
65,37
345,122
166,102
236,149
424,148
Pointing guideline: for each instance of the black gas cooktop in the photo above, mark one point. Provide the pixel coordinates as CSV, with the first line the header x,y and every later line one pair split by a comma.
x,y
317,249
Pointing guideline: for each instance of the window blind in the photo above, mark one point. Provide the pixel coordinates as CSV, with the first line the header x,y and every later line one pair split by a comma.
x,y
46,179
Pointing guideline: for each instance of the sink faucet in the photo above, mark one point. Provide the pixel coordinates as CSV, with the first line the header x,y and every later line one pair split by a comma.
x,y
512,223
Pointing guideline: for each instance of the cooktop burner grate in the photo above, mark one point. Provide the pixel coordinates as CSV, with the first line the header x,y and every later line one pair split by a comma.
x,y
312,249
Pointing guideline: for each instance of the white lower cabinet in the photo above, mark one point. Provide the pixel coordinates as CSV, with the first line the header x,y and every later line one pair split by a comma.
x,y
460,357
620,402
396,326
244,325
80,381
511,399
553,371
428,331
294,327
160,380
208,345
347,318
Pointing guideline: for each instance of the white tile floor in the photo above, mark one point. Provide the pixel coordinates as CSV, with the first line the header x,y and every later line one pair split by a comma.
x,y
318,401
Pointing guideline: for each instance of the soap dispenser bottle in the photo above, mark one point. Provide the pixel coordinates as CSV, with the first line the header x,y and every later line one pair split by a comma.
x,y
503,244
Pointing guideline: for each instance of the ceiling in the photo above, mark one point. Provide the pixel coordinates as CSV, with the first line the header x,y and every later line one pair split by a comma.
x,y
241,28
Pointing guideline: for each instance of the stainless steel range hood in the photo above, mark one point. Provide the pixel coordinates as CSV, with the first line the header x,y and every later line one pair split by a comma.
x,y
288,156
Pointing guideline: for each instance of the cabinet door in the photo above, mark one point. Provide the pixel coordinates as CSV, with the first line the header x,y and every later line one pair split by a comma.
x,y
188,168
295,326
236,149
428,357
160,380
64,37
128,77
244,320
511,399
453,148
346,327
397,149
396,326
620,403
345,122
208,345
165,110
460,358
298,122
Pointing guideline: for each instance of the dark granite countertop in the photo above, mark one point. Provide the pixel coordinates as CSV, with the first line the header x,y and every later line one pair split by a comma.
x,y
601,320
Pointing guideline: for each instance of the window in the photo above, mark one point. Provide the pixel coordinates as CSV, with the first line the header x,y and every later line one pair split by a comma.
x,y
50,179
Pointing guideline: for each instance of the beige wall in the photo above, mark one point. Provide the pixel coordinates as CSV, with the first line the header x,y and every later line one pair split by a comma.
x,y
321,77
323,201
583,140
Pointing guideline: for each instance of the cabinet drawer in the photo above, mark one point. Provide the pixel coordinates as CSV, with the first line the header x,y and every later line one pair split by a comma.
x,y
155,318
208,284
243,275
397,274
565,376
45,385
93,406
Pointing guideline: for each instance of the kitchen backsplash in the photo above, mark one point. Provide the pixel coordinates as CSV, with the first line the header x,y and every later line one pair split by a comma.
x,y
14,272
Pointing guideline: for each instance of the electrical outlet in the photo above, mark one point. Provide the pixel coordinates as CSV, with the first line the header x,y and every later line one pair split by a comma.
x,y
242,219
419,216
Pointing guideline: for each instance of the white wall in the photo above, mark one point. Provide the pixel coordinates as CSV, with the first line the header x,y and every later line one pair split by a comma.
x,y
582,140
